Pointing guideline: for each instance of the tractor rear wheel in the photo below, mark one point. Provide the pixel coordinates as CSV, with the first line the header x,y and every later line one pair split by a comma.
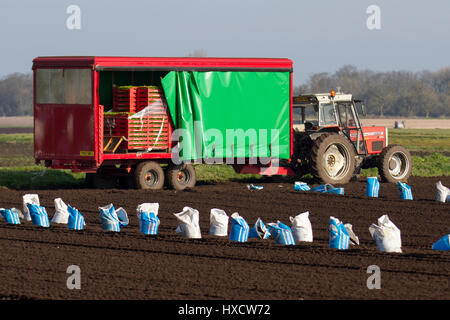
x,y
181,177
333,159
394,164
149,175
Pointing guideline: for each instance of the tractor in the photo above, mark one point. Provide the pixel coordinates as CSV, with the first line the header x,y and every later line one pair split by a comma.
x,y
332,145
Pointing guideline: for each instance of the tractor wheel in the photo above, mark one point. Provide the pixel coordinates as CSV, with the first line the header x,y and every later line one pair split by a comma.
x,y
333,159
149,175
181,177
394,164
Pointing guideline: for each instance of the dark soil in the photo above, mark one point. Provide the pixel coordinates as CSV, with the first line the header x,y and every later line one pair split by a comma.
x,y
129,265
428,153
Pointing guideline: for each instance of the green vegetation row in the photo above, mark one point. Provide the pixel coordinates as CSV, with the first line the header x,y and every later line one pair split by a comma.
x,y
35,177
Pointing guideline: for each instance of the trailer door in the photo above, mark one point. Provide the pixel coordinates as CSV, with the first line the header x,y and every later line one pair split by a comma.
x,y
64,114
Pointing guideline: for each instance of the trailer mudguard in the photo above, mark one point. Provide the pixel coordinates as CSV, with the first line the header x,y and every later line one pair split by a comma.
x,y
230,114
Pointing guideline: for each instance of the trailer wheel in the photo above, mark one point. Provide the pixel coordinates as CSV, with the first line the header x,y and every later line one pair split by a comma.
x,y
394,164
149,175
181,177
333,159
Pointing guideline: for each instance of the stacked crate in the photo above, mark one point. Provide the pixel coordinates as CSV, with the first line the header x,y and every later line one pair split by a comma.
x,y
149,131
124,99
146,96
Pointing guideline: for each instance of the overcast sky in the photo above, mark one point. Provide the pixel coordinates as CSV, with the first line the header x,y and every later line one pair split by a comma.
x,y
319,36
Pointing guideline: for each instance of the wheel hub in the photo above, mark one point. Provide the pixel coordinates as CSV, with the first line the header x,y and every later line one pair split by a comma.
x,y
398,165
334,161
151,178
183,177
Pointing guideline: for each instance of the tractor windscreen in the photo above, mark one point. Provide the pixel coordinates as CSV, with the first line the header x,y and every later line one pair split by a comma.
x,y
327,115
346,115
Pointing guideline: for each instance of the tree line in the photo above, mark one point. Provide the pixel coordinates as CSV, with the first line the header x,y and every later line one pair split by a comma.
x,y
385,94
395,93
16,95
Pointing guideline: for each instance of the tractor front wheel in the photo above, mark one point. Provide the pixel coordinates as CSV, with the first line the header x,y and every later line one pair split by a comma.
x,y
394,164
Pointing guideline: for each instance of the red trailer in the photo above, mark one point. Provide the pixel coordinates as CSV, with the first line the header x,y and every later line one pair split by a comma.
x,y
72,128
146,121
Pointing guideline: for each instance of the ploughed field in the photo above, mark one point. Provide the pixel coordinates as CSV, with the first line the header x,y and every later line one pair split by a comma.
x,y
129,265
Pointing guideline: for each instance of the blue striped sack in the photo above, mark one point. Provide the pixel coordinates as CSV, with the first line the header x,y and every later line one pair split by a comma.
x,y
38,214
281,233
253,187
11,216
405,191
239,228
301,186
328,188
147,214
75,220
109,219
442,244
29,198
149,223
321,188
336,191
339,236
372,187
259,230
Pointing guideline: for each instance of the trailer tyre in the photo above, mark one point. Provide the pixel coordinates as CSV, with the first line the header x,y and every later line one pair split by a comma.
x,y
333,159
181,177
394,164
149,175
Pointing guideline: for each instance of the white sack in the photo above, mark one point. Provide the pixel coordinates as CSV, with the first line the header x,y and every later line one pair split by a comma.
x,y
61,214
301,227
188,226
218,223
354,240
386,235
29,198
442,192
147,207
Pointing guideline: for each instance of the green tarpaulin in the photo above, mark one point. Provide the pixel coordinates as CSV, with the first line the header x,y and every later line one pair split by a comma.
x,y
230,114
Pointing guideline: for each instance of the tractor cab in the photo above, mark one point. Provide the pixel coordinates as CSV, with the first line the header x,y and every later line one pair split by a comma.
x,y
329,112
325,110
